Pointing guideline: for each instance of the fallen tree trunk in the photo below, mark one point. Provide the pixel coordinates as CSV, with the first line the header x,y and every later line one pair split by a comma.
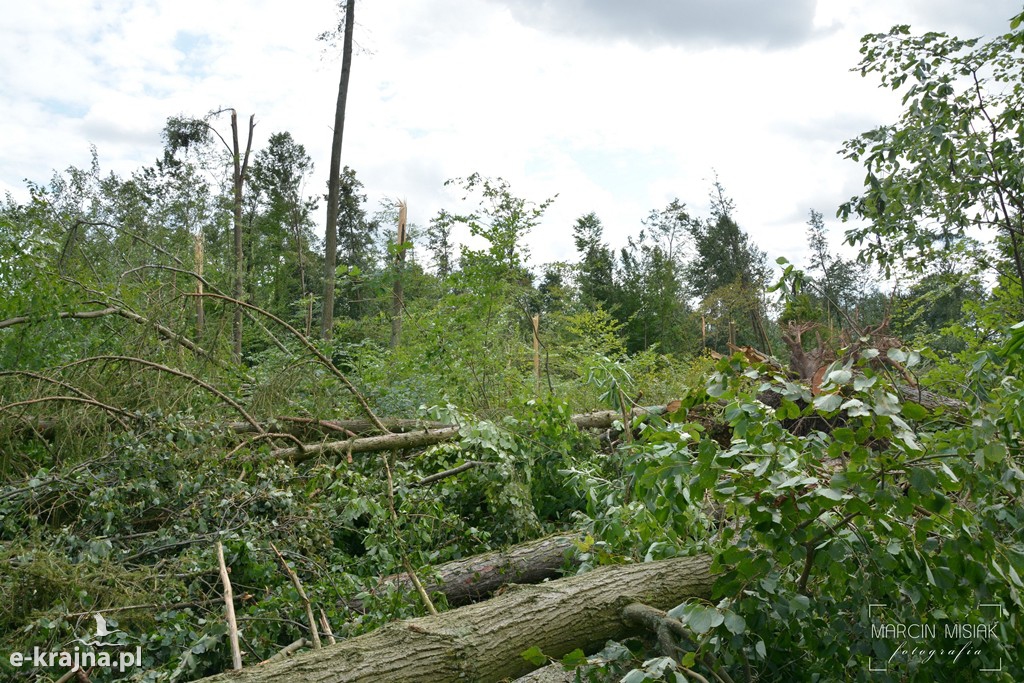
x,y
474,578
309,427
420,439
483,642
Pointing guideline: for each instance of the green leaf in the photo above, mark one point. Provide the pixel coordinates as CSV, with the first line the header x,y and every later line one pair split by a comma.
x,y
828,403
897,355
735,623
841,376
831,494
994,451
702,619
759,647
574,659
534,656
914,411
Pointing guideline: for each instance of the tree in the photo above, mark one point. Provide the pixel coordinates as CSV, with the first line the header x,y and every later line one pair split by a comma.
x,y
439,242
841,286
334,178
503,220
182,133
597,262
356,238
650,290
954,159
280,240
728,273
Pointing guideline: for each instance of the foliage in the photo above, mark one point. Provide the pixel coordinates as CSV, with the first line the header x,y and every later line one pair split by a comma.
x,y
925,504
953,160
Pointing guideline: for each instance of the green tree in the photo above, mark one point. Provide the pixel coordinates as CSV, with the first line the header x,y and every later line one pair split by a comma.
x,y
651,294
503,220
281,237
184,133
596,278
356,240
728,273
954,159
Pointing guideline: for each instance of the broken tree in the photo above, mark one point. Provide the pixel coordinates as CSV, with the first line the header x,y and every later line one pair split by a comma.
x,y
484,642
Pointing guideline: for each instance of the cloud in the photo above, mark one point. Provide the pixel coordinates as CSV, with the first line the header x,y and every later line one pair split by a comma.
x,y
781,23
964,19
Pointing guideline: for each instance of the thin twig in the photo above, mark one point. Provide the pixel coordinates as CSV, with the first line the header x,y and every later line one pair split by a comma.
x,y
74,399
405,560
177,373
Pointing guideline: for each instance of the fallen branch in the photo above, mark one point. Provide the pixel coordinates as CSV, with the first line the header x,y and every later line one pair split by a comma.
x,y
447,473
177,373
163,331
304,427
324,360
74,399
287,651
229,606
421,439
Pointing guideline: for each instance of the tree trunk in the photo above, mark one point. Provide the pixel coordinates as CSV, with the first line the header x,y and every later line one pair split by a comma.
x,y
421,439
241,166
483,642
474,578
396,301
334,181
200,300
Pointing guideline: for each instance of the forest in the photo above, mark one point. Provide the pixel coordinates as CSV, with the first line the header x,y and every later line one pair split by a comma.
x,y
231,448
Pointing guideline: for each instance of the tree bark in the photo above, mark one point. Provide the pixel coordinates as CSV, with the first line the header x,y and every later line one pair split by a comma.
x,y
470,580
334,180
483,642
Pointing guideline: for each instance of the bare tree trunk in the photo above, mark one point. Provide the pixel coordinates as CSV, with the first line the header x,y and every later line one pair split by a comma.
x,y
396,301
334,181
484,642
200,300
241,166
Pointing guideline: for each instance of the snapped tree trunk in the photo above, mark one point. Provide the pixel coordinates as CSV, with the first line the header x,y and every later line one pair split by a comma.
x,y
484,642
396,297
334,180
241,165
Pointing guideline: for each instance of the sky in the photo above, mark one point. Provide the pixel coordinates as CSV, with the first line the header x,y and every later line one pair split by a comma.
x,y
615,107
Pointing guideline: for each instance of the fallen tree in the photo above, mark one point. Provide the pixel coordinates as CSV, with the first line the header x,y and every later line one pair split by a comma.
x,y
483,642
474,578
420,439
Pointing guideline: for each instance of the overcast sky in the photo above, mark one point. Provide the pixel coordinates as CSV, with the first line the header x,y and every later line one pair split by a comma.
x,y
616,107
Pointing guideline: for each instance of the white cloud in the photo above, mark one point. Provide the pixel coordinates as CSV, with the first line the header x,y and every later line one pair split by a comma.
x,y
590,109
